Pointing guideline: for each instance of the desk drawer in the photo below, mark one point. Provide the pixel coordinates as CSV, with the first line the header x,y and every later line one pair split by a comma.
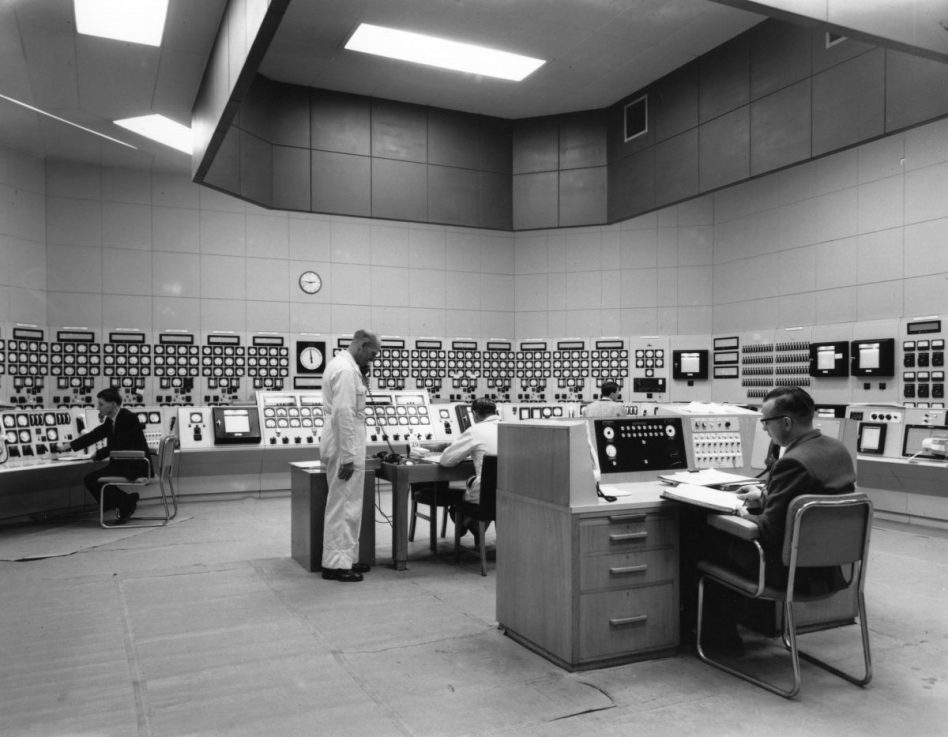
x,y
633,568
626,531
620,622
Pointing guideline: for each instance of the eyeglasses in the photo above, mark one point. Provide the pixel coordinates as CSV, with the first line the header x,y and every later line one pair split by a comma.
x,y
765,420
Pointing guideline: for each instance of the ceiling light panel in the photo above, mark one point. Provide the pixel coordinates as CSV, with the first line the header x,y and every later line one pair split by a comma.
x,y
136,21
441,52
161,129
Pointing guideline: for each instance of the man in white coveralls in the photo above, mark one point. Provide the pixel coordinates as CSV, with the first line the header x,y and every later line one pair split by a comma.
x,y
343,453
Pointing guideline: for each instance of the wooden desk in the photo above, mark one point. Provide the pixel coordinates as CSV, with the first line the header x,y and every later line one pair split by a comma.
x,y
309,488
400,476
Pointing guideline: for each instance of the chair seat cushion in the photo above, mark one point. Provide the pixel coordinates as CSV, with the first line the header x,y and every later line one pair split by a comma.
x,y
745,584
122,480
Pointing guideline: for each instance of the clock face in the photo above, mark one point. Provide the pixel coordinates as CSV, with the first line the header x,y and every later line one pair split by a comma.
x,y
310,282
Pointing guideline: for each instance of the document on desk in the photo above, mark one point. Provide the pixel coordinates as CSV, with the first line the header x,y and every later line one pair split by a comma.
x,y
708,477
434,458
701,496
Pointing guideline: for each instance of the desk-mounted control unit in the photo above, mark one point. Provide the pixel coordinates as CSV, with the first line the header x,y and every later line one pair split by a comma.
x,y
716,442
291,418
627,445
31,433
398,417
195,428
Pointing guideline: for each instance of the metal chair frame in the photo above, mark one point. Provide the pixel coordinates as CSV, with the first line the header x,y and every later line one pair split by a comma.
x,y
164,476
445,502
855,510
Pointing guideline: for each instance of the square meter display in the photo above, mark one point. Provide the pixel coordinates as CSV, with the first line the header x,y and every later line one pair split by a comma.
x,y
640,444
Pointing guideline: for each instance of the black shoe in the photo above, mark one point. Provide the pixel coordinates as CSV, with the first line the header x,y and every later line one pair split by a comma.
x,y
360,568
127,507
341,574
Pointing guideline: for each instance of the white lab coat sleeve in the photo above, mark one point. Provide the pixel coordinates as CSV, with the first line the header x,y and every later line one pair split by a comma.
x,y
460,449
344,416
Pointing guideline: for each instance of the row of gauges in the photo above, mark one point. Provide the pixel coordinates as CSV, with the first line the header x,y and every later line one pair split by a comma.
x,y
399,411
284,422
293,412
36,419
393,421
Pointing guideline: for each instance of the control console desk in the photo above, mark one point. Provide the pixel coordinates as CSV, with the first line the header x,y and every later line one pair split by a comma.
x,y
582,582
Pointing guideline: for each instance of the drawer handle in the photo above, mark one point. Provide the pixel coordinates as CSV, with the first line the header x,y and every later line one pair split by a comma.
x,y
627,517
621,570
620,537
621,621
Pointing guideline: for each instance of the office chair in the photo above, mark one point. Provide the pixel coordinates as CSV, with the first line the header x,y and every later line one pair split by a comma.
x,y
822,531
164,476
434,494
484,512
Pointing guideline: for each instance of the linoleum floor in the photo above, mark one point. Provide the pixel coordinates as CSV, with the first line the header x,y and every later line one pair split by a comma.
x,y
208,627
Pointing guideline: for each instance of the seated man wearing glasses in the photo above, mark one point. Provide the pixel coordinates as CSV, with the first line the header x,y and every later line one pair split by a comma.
x,y
810,463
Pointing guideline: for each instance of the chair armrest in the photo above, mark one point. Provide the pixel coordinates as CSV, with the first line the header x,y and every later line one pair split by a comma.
x,y
738,526
126,455
743,529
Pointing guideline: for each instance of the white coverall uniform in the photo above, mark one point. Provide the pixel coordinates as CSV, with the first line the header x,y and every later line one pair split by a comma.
x,y
343,442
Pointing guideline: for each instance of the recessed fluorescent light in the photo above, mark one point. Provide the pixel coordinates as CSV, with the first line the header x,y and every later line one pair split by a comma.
x,y
137,21
161,129
67,122
440,52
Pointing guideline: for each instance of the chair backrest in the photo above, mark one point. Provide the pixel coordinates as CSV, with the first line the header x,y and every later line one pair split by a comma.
x,y
827,530
166,448
488,498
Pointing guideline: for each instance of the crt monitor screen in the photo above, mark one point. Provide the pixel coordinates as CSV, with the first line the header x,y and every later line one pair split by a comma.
x,y
236,425
871,438
873,357
915,434
690,364
829,359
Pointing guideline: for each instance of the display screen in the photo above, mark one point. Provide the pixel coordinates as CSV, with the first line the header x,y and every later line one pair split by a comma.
x,y
690,364
873,357
869,356
915,434
236,422
871,438
829,359
236,425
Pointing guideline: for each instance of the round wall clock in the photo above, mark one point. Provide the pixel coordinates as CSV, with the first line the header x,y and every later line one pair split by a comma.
x,y
310,282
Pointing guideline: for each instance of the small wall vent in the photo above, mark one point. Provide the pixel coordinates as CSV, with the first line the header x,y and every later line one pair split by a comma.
x,y
636,118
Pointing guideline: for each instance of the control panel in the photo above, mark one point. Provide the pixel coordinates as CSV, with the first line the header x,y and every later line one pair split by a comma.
x,y
195,427
532,411
290,418
31,433
716,442
626,445
399,417
923,363
880,429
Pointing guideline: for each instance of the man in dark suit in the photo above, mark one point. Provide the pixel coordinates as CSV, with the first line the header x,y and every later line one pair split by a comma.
x,y
122,431
810,463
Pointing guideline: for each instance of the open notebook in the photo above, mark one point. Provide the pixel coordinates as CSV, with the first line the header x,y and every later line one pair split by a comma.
x,y
701,496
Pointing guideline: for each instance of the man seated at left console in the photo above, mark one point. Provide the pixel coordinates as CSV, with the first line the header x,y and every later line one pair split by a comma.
x,y
121,430
478,440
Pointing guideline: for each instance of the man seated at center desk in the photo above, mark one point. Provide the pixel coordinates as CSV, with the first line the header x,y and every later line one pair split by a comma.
x,y
478,440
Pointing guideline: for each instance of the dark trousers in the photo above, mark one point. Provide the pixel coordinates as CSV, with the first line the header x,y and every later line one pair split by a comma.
x,y
114,498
